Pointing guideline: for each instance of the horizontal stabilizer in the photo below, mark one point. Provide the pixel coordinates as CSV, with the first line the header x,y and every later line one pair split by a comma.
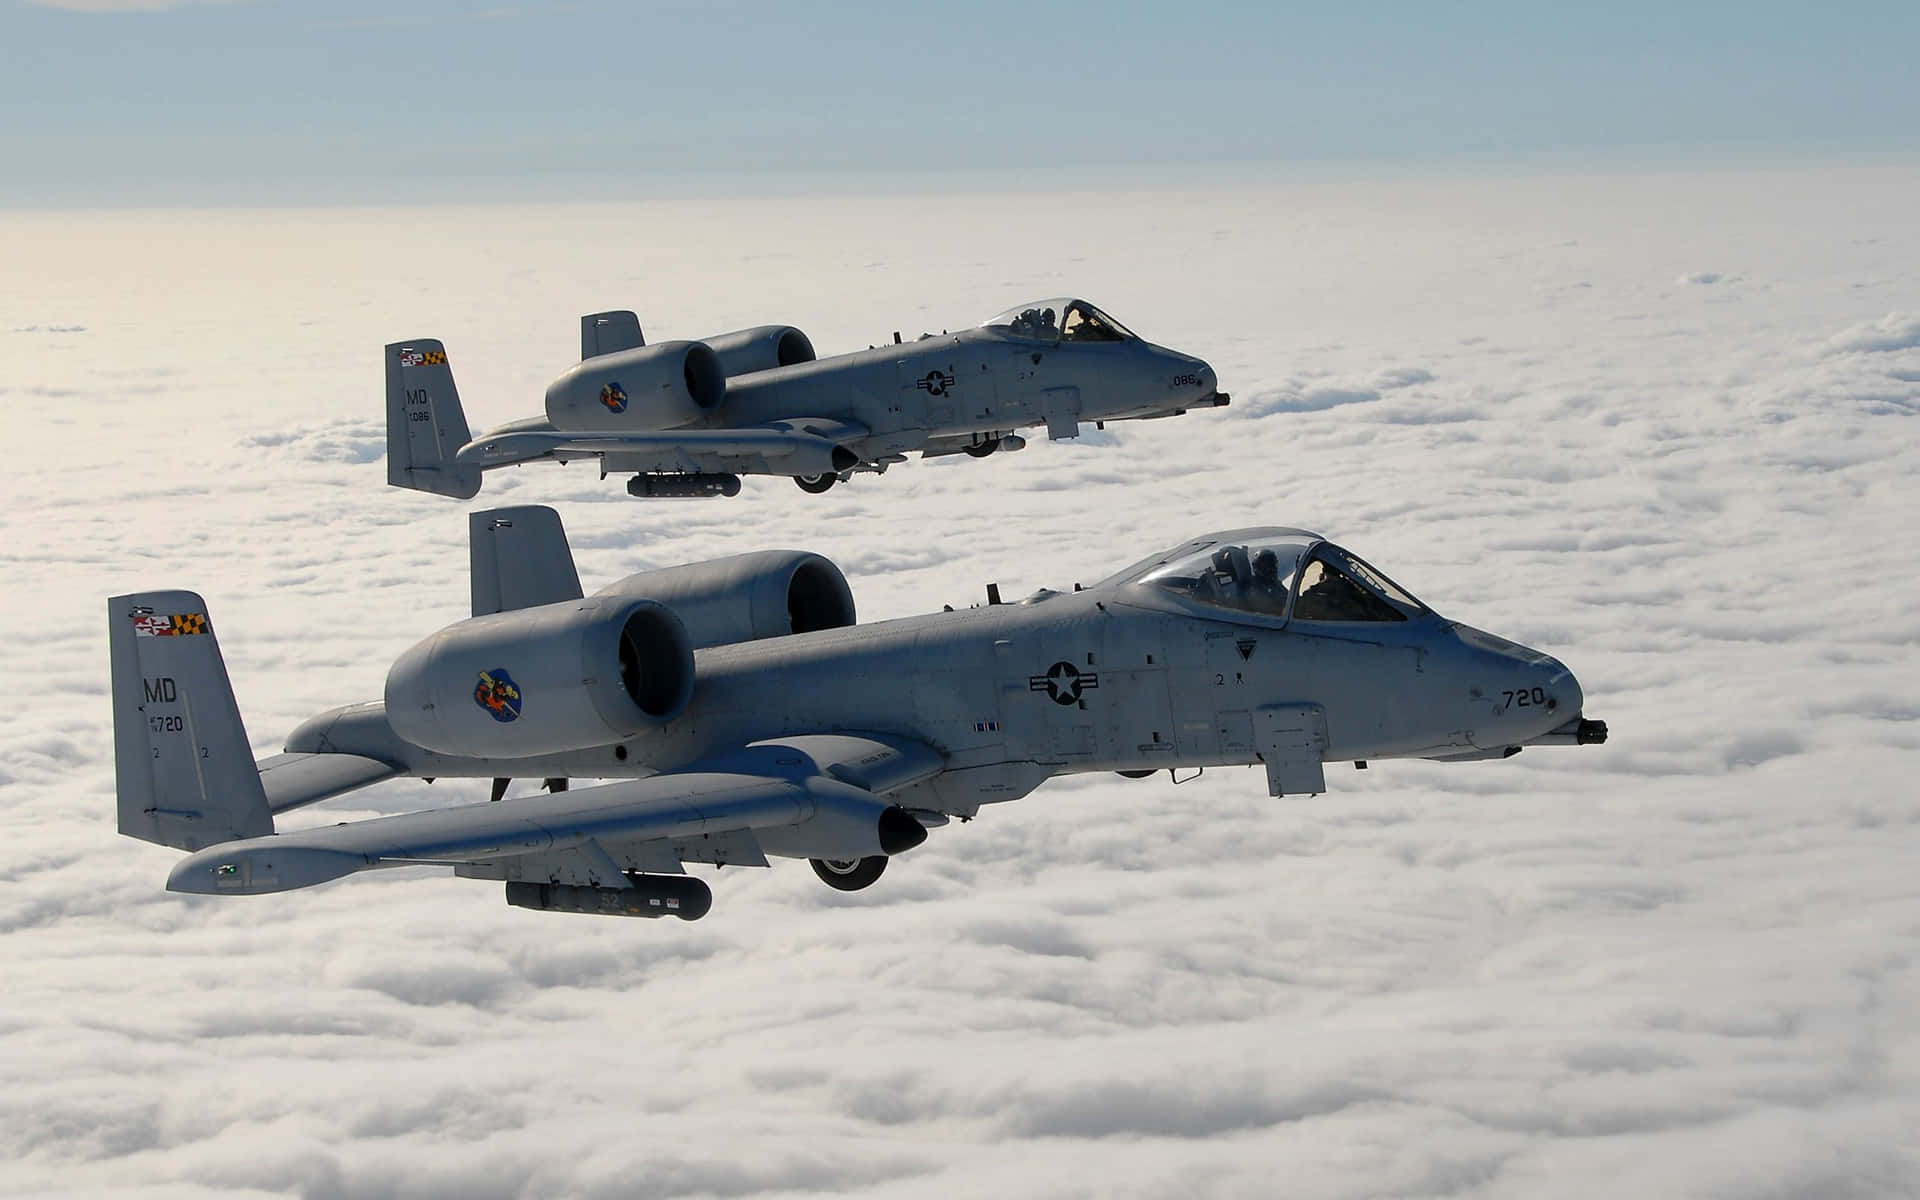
x,y
294,780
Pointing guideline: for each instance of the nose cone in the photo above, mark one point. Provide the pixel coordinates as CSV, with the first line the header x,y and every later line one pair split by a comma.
x,y
1531,693
1562,689
1190,381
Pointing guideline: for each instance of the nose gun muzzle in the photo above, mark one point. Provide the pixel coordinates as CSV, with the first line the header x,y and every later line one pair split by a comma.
x,y
1210,394
1578,732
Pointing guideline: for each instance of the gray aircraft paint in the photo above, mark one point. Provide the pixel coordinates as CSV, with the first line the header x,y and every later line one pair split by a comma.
x,y
657,411
810,744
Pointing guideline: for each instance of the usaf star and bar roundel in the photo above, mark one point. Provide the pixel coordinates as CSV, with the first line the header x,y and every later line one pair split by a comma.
x,y
1063,682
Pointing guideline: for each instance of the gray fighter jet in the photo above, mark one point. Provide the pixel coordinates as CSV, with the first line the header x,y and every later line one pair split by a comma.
x,y
689,418
741,713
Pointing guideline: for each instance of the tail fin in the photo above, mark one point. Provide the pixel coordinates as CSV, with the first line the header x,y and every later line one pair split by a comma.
x,y
425,425
520,559
185,773
609,333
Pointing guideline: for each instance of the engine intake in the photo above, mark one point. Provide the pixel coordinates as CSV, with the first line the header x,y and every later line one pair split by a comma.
x,y
543,680
771,593
653,387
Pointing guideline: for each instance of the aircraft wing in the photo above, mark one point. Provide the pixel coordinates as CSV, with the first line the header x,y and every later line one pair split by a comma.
x,y
802,446
830,789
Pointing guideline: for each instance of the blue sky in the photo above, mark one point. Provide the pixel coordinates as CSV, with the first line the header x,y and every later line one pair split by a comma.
x,y
252,92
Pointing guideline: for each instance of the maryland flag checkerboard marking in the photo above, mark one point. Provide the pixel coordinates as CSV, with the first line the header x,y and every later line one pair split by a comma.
x,y
146,624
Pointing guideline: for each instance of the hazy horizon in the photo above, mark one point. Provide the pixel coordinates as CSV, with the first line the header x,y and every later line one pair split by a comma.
x,y
155,100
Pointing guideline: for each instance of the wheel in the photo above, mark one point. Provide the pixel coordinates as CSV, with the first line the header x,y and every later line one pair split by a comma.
x,y
816,483
1136,774
982,449
849,874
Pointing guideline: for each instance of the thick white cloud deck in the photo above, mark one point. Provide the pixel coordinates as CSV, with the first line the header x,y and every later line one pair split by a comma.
x,y
1661,426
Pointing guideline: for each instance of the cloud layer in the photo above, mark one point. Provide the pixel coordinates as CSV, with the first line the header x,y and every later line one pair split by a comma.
x,y
1680,965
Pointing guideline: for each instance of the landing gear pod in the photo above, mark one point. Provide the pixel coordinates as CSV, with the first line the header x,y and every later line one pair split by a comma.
x,y
646,896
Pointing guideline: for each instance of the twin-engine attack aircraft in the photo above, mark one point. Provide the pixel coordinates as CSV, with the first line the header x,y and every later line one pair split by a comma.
x,y
741,713
689,418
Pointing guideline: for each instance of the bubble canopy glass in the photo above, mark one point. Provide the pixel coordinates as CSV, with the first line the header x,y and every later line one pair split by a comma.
x,y
1063,319
1277,574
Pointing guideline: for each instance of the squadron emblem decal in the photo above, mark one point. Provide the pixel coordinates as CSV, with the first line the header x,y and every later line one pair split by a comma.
x,y
498,694
614,397
936,383
1063,682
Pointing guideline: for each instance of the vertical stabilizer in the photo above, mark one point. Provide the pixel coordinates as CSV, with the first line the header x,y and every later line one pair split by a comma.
x,y
184,771
520,559
609,333
425,424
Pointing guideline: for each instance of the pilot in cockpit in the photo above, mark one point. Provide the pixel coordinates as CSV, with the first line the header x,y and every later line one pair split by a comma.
x,y
1261,577
1034,323
1327,594
1222,583
1267,593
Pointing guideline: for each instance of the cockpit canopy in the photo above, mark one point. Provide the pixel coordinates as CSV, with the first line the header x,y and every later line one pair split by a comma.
x,y
1278,574
1059,320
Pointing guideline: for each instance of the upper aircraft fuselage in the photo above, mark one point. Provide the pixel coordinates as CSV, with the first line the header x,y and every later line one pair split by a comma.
x,y
977,381
688,418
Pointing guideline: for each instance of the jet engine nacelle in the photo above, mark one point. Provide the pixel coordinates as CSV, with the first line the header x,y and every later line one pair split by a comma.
x,y
543,680
761,348
651,387
747,597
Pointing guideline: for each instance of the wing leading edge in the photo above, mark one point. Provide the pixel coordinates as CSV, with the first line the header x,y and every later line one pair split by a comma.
x,y
800,447
825,793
